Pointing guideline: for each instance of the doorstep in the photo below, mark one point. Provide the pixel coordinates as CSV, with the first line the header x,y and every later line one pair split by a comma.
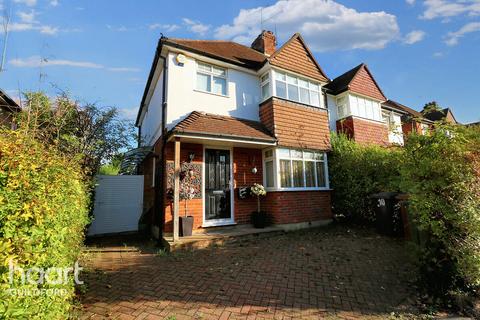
x,y
216,236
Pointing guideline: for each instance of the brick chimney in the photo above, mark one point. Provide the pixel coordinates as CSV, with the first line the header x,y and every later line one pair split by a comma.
x,y
265,43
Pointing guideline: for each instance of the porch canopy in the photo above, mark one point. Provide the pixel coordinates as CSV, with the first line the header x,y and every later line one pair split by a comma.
x,y
204,128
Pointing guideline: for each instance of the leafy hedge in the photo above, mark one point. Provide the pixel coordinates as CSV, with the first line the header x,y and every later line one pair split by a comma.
x,y
441,172
357,171
43,212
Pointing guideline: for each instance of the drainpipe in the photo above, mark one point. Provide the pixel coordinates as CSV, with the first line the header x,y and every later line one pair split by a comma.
x,y
161,187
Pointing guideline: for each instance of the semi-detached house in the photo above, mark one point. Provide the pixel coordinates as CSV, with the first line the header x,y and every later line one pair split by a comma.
x,y
225,116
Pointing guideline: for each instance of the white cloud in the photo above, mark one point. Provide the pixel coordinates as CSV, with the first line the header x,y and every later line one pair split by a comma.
x,y
450,8
410,2
327,25
27,17
37,61
164,27
120,29
414,37
54,3
438,54
124,69
49,30
29,3
196,26
452,38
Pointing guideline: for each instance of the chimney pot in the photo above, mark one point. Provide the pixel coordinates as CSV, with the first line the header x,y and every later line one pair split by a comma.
x,y
265,43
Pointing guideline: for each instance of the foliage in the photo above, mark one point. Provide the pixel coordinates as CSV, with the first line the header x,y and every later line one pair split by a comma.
x,y
97,133
431,107
112,168
358,171
43,212
441,172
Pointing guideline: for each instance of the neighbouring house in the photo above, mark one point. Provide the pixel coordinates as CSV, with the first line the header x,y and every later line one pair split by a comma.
x,y
441,115
8,109
226,116
412,121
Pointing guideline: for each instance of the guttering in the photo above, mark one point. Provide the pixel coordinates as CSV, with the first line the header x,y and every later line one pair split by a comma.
x,y
222,137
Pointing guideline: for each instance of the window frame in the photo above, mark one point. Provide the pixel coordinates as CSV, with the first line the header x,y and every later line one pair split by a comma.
x,y
276,157
312,87
211,75
263,83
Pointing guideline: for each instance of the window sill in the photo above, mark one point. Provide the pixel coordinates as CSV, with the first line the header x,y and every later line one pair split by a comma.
x,y
296,189
297,102
212,93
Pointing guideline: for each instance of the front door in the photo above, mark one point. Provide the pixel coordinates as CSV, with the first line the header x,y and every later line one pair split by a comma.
x,y
217,187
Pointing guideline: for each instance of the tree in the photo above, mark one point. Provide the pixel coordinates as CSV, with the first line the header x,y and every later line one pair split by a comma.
x,y
431,106
94,133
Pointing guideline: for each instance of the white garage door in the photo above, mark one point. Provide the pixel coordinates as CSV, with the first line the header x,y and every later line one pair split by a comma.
x,y
118,204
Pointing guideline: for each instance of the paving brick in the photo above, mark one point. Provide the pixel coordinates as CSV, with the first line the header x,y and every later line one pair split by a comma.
x,y
324,273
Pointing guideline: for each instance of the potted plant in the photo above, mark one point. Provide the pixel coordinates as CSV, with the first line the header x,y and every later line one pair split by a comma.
x,y
186,222
260,219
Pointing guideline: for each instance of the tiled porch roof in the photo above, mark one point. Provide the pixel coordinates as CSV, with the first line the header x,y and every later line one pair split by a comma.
x,y
206,124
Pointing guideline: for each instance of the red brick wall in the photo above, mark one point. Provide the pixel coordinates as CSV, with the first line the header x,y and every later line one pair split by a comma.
x,y
411,126
363,83
298,206
243,162
364,131
296,125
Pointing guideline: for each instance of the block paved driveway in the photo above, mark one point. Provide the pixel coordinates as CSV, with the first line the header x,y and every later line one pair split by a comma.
x,y
326,273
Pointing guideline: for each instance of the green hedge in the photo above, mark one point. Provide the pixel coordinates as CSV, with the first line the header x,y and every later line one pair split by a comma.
x,y
357,171
441,172
43,212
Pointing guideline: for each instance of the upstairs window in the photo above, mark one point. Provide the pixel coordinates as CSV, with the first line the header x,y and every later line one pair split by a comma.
x,y
211,79
342,107
265,84
297,89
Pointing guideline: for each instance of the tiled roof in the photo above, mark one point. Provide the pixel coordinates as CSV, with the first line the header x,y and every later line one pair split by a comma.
x,y
359,80
340,83
227,50
8,103
295,56
401,107
440,115
223,126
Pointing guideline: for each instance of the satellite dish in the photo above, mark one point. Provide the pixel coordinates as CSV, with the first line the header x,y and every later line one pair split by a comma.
x,y
181,58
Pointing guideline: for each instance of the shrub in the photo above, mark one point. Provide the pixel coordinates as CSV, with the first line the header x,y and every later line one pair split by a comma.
x,y
441,172
358,171
43,212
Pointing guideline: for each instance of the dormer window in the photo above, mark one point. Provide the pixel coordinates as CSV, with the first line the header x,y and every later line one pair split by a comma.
x,y
211,79
297,89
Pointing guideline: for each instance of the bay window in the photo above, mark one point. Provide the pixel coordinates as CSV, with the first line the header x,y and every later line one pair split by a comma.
x,y
293,169
294,88
211,79
265,85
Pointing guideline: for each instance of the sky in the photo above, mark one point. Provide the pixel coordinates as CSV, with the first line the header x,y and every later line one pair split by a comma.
x,y
101,51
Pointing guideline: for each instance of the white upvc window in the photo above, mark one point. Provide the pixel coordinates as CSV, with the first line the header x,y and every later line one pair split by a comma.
x,y
424,128
265,85
211,79
342,106
294,169
291,87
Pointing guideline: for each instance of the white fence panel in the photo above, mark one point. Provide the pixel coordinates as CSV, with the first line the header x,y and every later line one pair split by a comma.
x,y
118,204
